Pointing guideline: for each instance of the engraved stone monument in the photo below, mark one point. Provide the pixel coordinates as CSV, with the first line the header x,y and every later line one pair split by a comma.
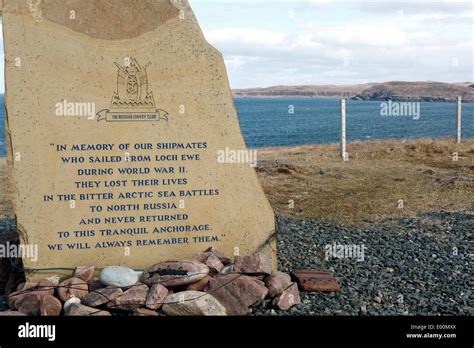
x,y
123,143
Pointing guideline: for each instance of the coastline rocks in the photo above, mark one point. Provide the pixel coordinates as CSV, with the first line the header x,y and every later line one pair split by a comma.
x,y
195,303
72,287
49,306
86,273
156,296
175,273
118,276
255,264
76,309
101,296
277,282
288,298
237,292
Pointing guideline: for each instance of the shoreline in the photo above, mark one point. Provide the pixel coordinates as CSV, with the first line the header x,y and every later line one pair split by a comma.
x,y
414,91
420,100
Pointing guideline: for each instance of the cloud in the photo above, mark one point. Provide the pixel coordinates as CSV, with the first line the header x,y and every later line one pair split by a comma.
x,y
415,6
317,3
246,36
357,52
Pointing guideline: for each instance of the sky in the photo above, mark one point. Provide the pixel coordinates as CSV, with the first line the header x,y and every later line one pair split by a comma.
x,y
292,42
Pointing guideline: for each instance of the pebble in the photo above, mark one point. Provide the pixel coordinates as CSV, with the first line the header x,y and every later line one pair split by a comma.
x,y
118,276
416,272
378,299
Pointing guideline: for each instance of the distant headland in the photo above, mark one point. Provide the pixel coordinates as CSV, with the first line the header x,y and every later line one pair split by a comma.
x,y
393,90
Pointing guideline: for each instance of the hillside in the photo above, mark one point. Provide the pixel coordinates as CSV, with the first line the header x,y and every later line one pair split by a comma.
x,y
395,90
310,91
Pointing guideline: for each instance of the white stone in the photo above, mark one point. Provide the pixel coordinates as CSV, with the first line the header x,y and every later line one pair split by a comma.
x,y
118,276
69,302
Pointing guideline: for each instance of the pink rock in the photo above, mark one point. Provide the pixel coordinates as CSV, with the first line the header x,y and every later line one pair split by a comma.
x,y
215,265
26,285
30,305
317,281
45,287
237,292
50,306
277,282
257,263
211,260
156,296
42,288
86,273
201,257
72,287
131,299
288,298
199,285
223,258
101,296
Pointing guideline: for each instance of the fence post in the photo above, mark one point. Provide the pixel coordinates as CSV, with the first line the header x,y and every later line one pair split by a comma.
x,y
458,121
343,129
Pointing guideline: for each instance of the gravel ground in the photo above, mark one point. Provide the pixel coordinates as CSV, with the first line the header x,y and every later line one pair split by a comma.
x,y
411,264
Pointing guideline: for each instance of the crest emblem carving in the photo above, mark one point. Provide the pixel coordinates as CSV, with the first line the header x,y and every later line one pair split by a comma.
x,y
132,100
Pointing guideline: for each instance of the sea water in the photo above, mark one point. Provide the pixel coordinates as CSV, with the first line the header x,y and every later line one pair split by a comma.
x,y
297,121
